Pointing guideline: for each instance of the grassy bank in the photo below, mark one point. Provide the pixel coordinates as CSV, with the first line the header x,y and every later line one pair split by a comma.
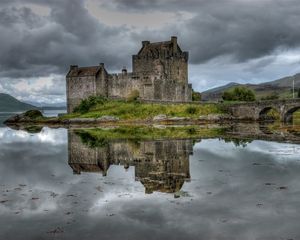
x,y
95,137
136,110
297,117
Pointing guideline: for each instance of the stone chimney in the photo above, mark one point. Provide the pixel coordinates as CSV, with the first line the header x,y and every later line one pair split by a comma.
x,y
145,43
73,67
124,71
174,43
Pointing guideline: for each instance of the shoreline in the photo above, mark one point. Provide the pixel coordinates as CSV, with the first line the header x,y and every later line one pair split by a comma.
x,y
112,122
235,130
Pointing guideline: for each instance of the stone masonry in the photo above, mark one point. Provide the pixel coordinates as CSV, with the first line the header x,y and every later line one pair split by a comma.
x,y
160,165
159,72
256,111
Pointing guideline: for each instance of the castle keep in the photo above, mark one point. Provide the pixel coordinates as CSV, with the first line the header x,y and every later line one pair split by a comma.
x,y
159,72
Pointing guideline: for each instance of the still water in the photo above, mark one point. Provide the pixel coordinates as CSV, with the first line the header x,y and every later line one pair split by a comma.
x,y
54,186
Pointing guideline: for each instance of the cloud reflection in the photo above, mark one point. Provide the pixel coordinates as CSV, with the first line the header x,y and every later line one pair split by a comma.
x,y
234,193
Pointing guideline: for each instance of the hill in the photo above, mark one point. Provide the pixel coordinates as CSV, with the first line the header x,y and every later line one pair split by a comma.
x,y
11,104
282,87
49,106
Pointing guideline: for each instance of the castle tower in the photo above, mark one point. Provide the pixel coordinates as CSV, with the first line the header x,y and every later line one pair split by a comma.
x,y
160,73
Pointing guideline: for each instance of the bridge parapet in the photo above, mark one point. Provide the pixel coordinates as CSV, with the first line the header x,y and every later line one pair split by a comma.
x,y
254,110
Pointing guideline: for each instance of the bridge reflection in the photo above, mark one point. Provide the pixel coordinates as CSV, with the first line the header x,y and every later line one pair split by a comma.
x,y
161,165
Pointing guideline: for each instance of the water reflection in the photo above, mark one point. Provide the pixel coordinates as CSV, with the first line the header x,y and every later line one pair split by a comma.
x,y
159,165
233,189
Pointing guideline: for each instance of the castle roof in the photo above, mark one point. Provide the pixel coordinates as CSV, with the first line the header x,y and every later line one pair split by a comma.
x,y
157,47
76,71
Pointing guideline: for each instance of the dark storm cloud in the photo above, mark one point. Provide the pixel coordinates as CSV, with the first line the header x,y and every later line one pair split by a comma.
x,y
242,29
33,45
43,37
146,5
245,31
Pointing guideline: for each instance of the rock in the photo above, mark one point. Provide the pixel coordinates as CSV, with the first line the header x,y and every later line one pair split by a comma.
x,y
28,116
65,121
178,118
210,117
108,118
160,126
82,120
226,117
181,194
215,117
282,188
160,117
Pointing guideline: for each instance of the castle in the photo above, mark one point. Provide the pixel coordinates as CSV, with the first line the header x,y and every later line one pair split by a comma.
x,y
159,73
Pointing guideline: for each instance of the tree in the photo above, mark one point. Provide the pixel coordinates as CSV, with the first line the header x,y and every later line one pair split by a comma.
x,y
239,94
272,96
133,96
299,93
86,104
196,96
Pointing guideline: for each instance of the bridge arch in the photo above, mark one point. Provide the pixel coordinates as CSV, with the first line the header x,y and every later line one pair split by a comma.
x,y
288,115
268,113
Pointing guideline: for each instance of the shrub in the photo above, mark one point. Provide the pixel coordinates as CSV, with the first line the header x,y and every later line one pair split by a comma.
x,y
191,110
272,96
196,96
239,94
33,114
272,115
133,96
88,103
191,131
91,141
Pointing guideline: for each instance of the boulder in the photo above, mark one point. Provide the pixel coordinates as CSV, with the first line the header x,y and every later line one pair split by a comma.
x,y
160,117
216,117
181,194
108,119
82,120
178,118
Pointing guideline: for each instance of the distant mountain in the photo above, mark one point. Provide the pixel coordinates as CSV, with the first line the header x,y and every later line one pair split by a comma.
x,y
49,106
282,86
11,104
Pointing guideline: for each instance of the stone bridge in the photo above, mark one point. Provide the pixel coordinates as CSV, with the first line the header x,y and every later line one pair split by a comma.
x,y
258,110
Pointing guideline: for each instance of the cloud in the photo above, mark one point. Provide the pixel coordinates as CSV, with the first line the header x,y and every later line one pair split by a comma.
x,y
36,89
42,38
33,45
239,198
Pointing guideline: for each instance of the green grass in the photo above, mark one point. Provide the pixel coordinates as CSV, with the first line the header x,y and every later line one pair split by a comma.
x,y
100,136
135,110
296,117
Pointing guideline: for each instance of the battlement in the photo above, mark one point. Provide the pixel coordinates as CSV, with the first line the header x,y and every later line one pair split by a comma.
x,y
159,72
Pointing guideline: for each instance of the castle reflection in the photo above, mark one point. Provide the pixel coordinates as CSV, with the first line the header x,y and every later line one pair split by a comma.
x,y
160,165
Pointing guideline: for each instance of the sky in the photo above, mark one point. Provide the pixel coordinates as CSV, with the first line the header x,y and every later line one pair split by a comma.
x,y
245,41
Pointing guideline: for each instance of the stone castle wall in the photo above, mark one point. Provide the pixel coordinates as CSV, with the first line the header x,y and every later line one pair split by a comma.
x,y
160,72
159,165
79,88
